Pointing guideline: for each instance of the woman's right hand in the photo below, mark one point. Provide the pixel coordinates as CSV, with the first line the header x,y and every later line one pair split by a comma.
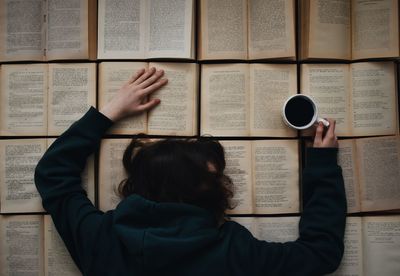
x,y
329,140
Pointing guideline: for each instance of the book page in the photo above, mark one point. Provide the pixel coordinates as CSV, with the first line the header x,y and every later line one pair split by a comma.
x,y
329,29
111,171
121,29
379,167
18,160
21,245
176,114
347,160
112,76
271,29
352,261
328,85
223,32
72,90
169,28
23,99
87,175
381,239
277,229
57,260
270,86
238,168
374,103
276,176
21,30
375,28
225,100
67,29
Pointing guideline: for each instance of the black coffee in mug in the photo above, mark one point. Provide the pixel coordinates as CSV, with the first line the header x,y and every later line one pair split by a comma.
x,y
299,111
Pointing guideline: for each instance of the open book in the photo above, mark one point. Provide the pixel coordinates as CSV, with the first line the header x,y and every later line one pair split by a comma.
x,y
361,97
349,29
31,245
265,176
246,99
139,29
47,30
372,246
18,160
371,171
44,99
246,29
372,243
177,112
272,229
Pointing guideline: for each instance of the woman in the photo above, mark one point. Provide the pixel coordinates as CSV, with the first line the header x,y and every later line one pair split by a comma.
x,y
171,221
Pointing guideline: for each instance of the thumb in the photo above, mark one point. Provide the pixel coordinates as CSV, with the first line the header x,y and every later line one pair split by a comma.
x,y
318,135
148,105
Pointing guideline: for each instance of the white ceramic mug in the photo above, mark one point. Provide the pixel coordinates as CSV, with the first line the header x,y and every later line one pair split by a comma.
x,y
300,112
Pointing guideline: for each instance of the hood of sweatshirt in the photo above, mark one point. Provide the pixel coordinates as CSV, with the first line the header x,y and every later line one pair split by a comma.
x,y
166,232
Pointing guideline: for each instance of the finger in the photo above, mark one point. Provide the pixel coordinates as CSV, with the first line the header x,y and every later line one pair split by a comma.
x,y
152,79
331,130
136,75
145,76
149,105
318,135
152,88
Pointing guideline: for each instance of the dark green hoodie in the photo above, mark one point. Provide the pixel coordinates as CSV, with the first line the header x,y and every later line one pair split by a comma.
x,y
141,237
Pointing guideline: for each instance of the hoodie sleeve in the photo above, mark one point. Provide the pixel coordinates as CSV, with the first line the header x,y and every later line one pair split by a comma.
x,y
319,248
58,180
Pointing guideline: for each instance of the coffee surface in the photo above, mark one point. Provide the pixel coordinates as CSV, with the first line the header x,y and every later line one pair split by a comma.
x,y
299,111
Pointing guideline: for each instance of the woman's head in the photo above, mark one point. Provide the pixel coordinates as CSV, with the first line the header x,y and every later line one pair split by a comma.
x,y
187,171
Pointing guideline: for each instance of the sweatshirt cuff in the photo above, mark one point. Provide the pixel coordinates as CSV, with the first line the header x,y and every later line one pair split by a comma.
x,y
95,122
318,157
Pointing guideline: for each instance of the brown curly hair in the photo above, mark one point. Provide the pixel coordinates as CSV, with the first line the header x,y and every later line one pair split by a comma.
x,y
176,170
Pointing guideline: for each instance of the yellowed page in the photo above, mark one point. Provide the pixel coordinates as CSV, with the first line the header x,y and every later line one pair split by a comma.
x,y
381,239
57,260
72,90
275,176
225,100
176,114
379,172
87,175
271,29
111,171
67,29
374,98
270,86
329,86
238,168
352,261
22,34
247,222
169,29
18,160
375,28
223,29
21,245
277,229
112,76
330,29
24,99
121,29
347,159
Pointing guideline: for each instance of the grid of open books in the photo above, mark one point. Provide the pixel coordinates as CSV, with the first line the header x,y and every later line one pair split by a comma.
x,y
231,64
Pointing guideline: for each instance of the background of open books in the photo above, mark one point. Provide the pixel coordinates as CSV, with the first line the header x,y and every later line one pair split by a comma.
x,y
298,64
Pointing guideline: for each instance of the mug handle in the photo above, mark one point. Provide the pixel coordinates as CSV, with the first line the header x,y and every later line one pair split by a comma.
x,y
325,122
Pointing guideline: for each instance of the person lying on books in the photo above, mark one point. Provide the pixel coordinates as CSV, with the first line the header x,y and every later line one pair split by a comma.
x,y
171,219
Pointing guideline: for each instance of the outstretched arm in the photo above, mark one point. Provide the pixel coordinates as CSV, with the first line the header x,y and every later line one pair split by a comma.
x,y
57,175
319,248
